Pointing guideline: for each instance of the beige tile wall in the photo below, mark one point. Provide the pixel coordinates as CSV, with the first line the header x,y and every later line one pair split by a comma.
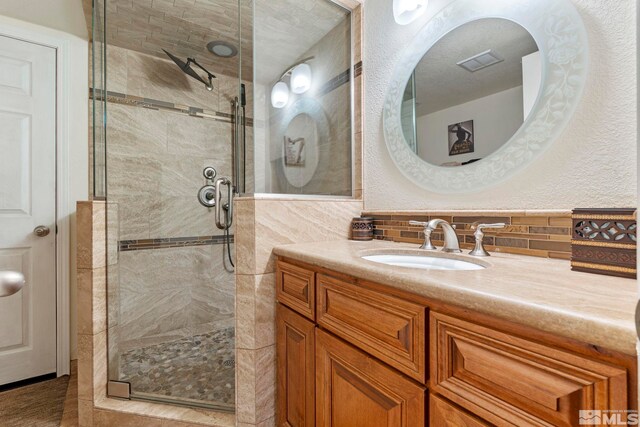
x,y
268,223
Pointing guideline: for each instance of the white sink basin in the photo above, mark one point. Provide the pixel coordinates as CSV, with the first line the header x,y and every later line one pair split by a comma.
x,y
424,262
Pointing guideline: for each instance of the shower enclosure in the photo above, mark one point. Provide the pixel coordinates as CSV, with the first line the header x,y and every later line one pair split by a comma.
x,y
185,118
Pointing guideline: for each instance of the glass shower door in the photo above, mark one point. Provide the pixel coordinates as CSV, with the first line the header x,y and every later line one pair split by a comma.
x,y
171,285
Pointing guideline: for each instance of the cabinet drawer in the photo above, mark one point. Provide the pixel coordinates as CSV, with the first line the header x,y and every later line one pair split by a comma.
x,y
443,413
355,390
511,381
390,328
295,288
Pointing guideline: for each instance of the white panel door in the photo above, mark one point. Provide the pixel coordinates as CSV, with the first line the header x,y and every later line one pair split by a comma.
x,y
27,200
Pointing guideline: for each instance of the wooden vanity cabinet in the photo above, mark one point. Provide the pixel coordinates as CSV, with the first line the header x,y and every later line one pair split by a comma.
x,y
295,348
443,413
355,354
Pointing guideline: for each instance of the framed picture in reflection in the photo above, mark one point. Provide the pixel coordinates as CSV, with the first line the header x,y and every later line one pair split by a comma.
x,y
294,151
461,138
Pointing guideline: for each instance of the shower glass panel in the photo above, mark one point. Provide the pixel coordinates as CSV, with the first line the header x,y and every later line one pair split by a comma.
x,y
171,286
302,74
98,83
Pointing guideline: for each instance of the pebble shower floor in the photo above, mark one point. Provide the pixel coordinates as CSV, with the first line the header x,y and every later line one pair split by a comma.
x,y
199,368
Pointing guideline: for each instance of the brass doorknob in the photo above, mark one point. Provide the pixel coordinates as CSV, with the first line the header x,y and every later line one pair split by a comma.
x,y
41,231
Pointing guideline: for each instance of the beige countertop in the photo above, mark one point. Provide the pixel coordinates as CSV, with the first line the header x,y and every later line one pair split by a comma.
x,y
538,292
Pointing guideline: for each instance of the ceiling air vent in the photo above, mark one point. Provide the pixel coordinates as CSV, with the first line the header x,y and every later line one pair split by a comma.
x,y
482,60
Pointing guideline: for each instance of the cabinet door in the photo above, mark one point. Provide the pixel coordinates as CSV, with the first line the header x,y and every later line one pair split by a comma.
x,y
296,372
355,390
445,414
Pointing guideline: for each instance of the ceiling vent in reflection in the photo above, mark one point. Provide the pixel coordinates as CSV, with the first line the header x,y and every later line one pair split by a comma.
x,y
482,60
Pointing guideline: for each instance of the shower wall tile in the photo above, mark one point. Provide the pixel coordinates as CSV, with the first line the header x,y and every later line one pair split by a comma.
x,y
181,217
191,136
153,314
357,165
166,292
356,32
151,77
91,232
163,269
255,302
227,92
180,176
137,131
255,385
133,176
245,236
298,221
92,366
92,301
134,213
117,73
358,104
113,295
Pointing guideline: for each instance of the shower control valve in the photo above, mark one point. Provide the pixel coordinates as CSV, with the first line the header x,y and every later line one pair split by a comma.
x,y
209,173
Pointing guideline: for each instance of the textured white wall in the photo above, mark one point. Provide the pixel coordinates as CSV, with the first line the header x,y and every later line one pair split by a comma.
x,y
592,164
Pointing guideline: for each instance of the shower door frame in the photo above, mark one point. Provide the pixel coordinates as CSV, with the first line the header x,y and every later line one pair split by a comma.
x,y
71,183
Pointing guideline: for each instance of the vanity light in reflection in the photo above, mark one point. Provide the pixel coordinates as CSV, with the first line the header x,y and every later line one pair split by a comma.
x,y
301,78
280,95
407,11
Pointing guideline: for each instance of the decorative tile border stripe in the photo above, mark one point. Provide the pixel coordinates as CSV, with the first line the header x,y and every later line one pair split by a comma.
x,y
340,79
154,104
357,69
171,242
546,235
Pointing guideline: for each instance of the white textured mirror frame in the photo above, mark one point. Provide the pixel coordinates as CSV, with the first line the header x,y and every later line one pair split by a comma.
x,y
561,36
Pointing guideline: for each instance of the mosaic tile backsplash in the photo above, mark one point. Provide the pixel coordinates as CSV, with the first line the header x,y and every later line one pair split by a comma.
x,y
544,234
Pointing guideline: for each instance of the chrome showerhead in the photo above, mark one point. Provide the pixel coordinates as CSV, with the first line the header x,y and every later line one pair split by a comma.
x,y
188,70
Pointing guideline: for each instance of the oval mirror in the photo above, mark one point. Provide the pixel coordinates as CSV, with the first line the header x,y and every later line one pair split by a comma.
x,y
301,150
471,92
484,88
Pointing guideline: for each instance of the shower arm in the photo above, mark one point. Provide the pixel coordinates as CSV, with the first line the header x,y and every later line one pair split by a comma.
x,y
210,76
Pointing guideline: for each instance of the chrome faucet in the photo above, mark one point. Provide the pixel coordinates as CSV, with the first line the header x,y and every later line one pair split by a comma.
x,y
451,243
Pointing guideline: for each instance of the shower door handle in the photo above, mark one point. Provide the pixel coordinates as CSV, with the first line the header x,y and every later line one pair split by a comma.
x,y
228,220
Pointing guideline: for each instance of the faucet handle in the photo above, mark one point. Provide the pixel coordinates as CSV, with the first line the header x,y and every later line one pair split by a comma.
x,y
420,223
427,235
479,249
479,226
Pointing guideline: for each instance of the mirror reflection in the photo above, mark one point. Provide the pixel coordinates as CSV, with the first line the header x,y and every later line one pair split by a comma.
x,y
471,92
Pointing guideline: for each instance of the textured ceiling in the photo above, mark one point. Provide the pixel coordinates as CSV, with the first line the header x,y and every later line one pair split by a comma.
x,y
440,83
284,30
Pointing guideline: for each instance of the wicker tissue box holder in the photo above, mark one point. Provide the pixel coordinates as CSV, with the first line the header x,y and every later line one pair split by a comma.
x,y
604,241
